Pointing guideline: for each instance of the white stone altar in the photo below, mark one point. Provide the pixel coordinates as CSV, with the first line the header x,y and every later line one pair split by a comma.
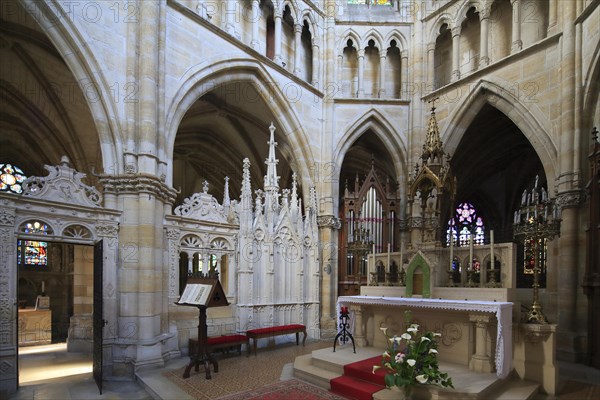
x,y
469,329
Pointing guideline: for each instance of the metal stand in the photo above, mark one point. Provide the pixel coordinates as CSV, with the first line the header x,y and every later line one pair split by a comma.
x,y
202,355
537,220
344,334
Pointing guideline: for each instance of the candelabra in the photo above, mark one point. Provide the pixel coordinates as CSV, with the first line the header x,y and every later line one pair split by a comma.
x,y
536,220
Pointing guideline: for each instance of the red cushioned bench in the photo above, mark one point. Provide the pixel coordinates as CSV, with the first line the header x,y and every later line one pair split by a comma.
x,y
271,331
222,342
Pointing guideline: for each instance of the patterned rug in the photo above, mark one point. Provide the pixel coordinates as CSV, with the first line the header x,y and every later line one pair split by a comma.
x,y
292,389
241,374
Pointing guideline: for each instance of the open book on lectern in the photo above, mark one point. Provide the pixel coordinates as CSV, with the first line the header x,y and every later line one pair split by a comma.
x,y
195,294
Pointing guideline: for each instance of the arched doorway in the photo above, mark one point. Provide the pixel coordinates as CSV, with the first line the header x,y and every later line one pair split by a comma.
x,y
53,215
369,210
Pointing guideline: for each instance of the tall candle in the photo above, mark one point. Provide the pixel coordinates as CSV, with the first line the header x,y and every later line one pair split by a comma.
x,y
470,252
492,249
451,248
401,254
388,257
43,286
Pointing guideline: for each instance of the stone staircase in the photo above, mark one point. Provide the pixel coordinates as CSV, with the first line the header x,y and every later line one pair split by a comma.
x,y
320,367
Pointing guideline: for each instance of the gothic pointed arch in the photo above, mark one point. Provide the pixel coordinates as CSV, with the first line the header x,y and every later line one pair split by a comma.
x,y
434,30
215,74
349,34
376,37
84,65
591,90
464,8
374,120
370,201
527,117
398,37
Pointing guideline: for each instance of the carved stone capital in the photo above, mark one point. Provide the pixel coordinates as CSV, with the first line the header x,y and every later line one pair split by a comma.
x,y
415,222
173,233
480,320
484,13
570,198
107,230
536,333
456,31
329,221
137,184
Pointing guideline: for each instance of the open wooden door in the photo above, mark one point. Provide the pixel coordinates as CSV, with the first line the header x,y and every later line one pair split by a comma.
x,y
98,315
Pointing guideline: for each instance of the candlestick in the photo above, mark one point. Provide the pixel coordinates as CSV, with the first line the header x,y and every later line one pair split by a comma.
x,y
470,252
388,257
492,248
401,254
451,248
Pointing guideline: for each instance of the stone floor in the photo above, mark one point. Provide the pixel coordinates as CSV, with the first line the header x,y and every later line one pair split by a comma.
x,y
50,373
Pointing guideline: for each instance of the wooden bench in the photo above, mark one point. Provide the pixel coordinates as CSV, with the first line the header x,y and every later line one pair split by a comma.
x,y
222,342
271,331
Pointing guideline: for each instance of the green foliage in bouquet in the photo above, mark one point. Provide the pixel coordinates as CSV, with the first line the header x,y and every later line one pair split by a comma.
x,y
411,359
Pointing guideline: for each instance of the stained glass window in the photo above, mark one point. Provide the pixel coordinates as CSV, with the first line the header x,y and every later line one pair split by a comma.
x,y
32,252
463,224
36,227
11,178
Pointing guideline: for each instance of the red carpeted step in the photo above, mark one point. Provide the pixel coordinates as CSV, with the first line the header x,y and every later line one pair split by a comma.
x,y
352,388
364,370
359,382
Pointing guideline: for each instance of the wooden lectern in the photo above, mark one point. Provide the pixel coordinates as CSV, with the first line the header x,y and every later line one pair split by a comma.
x,y
202,293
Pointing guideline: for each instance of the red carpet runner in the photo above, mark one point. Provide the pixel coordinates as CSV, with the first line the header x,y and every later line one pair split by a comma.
x,y
359,382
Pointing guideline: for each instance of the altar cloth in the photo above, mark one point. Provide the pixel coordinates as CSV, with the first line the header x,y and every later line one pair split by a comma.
x,y
502,310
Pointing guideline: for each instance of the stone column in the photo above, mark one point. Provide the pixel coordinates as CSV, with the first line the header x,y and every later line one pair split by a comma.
x,y
341,72
431,64
456,53
230,6
568,311
278,19
140,287
315,65
361,72
297,47
359,329
190,263
329,225
481,361
144,134
382,61
517,43
569,198
327,221
255,43
404,74
484,17
552,4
